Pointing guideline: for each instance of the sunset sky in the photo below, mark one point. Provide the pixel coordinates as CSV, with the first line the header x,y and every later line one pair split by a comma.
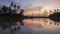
x,y
47,4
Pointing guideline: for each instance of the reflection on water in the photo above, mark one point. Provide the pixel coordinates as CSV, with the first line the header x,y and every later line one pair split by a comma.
x,y
31,26
40,22
11,26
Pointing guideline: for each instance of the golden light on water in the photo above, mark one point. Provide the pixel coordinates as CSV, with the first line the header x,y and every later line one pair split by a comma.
x,y
40,22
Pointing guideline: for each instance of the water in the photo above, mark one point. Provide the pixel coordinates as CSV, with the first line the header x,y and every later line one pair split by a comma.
x,y
31,26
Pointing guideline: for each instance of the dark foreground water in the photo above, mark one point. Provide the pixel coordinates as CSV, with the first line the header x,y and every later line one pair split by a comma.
x,y
31,26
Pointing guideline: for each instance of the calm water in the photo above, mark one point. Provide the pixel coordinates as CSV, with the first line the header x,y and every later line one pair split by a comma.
x,y
31,26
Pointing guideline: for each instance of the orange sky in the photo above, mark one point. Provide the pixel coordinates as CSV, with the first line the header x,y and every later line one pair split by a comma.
x,y
33,10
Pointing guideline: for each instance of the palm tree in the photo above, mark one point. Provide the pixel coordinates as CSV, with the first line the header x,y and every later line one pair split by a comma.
x,y
4,9
21,11
10,11
15,6
18,7
12,4
57,10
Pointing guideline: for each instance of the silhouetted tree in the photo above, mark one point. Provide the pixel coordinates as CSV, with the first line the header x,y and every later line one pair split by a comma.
x,y
4,9
55,10
21,11
18,7
15,6
12,4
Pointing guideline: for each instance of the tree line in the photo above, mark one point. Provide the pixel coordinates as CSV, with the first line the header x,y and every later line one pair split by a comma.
x,y
11,10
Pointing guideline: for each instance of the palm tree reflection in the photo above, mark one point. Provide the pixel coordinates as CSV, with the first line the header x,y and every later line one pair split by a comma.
x,y
12,25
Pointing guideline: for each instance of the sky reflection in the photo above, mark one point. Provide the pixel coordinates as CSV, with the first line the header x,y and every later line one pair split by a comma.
x,y
33,26
42,23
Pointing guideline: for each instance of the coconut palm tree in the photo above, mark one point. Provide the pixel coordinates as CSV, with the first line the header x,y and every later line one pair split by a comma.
x,y
4,9
21,11
18,7
12,4
15,6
